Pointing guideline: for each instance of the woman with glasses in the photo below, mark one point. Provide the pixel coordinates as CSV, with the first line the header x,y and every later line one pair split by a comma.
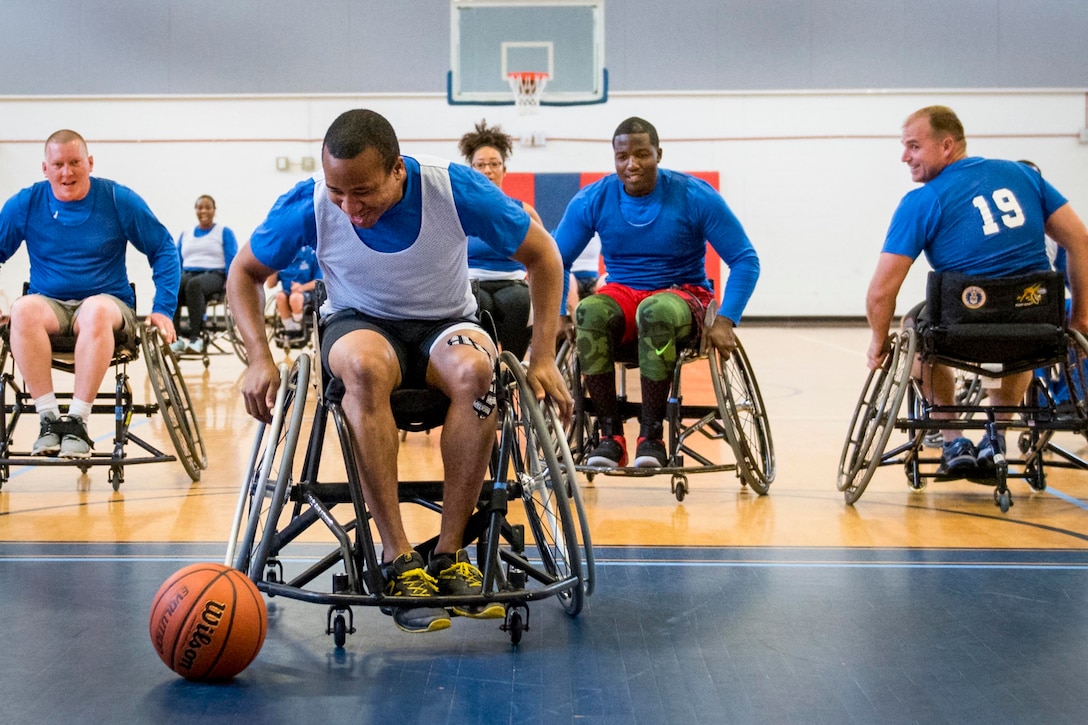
x,y
499,282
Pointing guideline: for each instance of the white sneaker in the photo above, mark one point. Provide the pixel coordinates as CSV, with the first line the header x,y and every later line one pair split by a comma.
x,y
178,346
196,346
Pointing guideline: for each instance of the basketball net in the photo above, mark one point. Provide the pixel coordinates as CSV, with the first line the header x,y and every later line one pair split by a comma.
x,y
527,87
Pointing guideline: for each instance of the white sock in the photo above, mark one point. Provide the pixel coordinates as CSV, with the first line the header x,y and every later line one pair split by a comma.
x,y
296,316
47,404
79,409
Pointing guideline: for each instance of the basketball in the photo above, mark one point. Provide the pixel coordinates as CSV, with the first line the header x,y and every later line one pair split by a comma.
x,y
208,622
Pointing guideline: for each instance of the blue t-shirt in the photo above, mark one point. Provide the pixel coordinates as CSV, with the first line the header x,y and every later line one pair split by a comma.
x,y
979,217
482,255
303,269
655,241
484,212
77,248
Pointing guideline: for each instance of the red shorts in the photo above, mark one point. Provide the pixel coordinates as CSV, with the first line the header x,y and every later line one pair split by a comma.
x,y
696,297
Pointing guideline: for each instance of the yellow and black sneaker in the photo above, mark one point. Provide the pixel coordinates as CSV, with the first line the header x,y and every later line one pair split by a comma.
x,y
457,576
407,577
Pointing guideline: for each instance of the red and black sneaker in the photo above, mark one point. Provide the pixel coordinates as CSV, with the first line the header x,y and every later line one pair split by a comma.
x,y
611,452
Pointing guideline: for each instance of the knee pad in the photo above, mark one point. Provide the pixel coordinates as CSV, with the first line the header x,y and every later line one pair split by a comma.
x,y
664,322
598,321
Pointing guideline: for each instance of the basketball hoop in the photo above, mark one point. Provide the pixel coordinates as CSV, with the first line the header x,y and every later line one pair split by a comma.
x,y
527,87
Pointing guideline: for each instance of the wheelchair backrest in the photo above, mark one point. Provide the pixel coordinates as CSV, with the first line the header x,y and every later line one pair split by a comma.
x,y
1015,322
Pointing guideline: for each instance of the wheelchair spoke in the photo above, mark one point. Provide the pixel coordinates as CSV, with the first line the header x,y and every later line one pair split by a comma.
x,y
744,418
544,484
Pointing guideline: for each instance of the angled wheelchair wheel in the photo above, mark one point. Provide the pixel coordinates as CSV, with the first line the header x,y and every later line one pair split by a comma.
x,y
544,484
1076,371
174,403
268,478
874,417
574,494
746,425
580,429
236,339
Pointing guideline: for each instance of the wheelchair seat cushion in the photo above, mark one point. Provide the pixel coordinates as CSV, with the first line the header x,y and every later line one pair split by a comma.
x,y
1011,321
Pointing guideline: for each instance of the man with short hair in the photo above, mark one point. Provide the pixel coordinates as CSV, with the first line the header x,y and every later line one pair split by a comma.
x,y
654,225
391,238
975,216
77,229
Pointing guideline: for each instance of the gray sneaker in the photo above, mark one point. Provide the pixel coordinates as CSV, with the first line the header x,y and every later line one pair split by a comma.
x,y
75,442
48,443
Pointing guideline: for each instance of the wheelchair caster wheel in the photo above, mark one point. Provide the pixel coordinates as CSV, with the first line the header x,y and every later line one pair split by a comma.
x,y
914,479
515,628
273,571
339,631
680,486
1037,479
1024,442
1003,500
515,623
339,626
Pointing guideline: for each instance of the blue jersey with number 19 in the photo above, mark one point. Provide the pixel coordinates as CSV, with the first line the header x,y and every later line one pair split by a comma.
x,y
978,216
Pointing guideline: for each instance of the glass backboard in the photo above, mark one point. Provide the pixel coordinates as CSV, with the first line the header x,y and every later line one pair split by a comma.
x,y
490,39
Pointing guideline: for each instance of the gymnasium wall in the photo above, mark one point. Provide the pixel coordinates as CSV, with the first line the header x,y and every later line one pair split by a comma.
x,y
179,99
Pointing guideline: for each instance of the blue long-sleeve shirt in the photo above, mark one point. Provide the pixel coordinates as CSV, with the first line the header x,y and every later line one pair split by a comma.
x,y
77,248
659,240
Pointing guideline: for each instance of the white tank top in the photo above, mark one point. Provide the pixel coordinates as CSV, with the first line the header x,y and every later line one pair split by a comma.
x,y
205,252
426,281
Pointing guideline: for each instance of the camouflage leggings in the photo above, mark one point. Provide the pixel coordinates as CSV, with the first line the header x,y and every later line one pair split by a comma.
x,y
663,322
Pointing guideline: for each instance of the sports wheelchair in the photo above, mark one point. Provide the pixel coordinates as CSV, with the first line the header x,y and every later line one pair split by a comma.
x,y
989,328
286,340
738,417
530,529
171,395
219,336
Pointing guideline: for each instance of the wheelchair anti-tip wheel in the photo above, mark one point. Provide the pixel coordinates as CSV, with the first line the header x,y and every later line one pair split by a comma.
x,y
174,402
745,418
544,484
874,417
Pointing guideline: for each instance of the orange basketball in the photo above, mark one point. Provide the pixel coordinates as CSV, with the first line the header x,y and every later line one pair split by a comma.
x,y
208,622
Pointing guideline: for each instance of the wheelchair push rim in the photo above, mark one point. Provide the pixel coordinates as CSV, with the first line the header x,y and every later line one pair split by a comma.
x,y
745,417
873,419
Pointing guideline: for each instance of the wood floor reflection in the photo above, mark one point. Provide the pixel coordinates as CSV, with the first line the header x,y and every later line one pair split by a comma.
x,y
810,378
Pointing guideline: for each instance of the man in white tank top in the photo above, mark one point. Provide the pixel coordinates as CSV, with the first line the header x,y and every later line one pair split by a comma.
x,y
391,238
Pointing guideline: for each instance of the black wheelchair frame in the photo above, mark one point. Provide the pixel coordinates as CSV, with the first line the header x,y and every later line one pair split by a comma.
x,y
540,550
1048,344
172,400
220,336
738,417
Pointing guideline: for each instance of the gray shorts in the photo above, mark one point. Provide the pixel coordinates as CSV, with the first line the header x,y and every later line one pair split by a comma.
x,y
68,310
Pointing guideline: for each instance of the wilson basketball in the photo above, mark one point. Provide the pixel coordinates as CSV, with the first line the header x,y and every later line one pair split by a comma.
x,y
208,622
